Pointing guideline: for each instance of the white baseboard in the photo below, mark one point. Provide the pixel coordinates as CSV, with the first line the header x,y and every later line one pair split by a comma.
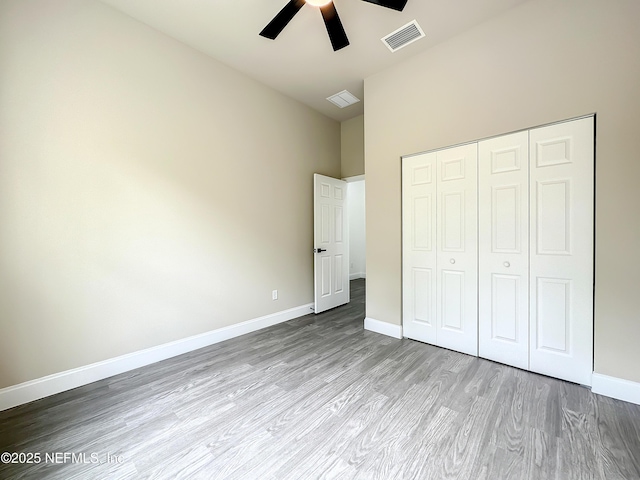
x,y
355,276
59,382
384,328
615,388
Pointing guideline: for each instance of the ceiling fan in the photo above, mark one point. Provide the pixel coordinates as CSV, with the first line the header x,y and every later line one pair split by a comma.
x,y
332,21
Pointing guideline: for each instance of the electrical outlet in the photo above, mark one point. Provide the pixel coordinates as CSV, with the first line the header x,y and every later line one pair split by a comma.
x,y
274,295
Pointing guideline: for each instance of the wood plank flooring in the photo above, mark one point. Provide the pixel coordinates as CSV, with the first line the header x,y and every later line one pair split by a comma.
x,y
320,398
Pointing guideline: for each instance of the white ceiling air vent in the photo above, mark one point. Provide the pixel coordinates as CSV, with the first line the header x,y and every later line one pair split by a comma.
x,y
343,99
402,37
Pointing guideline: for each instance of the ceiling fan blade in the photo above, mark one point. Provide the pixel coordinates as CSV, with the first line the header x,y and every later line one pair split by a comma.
x,y
394,4
334,26
284,16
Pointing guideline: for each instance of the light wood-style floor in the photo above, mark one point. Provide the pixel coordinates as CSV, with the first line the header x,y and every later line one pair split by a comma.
x,y
319,397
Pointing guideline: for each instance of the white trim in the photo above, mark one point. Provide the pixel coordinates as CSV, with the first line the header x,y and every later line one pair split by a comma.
x,y
59,382
355,178
616,388
355,276
384,328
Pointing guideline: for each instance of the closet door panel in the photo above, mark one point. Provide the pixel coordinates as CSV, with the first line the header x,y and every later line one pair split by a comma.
x,y
419,247
503,242
457,242
561,276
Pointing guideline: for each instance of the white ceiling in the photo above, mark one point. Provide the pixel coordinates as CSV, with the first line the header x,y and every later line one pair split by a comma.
x,y
301,63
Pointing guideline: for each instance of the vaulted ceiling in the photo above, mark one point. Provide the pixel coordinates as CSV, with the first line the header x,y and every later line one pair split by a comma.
x,y
301,63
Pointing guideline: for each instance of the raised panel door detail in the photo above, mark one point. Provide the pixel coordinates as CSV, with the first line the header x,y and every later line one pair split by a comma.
x,y
422,223
325,190
453,286
421,175
552,152
505,160
338,193
453,222
423,301
505,292
453,169
338,228
338,282
506,219
554,217
325,265
553,300
325,223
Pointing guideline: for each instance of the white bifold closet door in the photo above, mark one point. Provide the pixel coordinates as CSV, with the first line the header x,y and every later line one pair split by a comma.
x,y
498,249
419,247
503,275
440,246
561,159
536,249
457,245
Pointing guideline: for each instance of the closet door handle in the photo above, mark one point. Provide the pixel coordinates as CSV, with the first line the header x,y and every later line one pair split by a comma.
x,y
507,264
453,260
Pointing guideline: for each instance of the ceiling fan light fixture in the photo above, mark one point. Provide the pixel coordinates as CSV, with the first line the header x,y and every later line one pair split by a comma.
x,y
318,3
332,22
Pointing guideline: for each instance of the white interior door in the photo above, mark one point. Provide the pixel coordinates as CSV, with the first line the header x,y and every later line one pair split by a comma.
x,y
561,276
457,249
331,243
503,234
419,247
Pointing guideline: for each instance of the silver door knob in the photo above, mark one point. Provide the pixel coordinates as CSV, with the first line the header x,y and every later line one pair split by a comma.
x,y
453,260
507,264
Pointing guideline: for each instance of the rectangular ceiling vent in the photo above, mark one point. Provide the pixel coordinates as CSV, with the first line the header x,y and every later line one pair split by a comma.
x,y
403,36
343,99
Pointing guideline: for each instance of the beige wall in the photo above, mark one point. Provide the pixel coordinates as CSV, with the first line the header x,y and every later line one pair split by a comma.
x,y
352,146
541,62
147,192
